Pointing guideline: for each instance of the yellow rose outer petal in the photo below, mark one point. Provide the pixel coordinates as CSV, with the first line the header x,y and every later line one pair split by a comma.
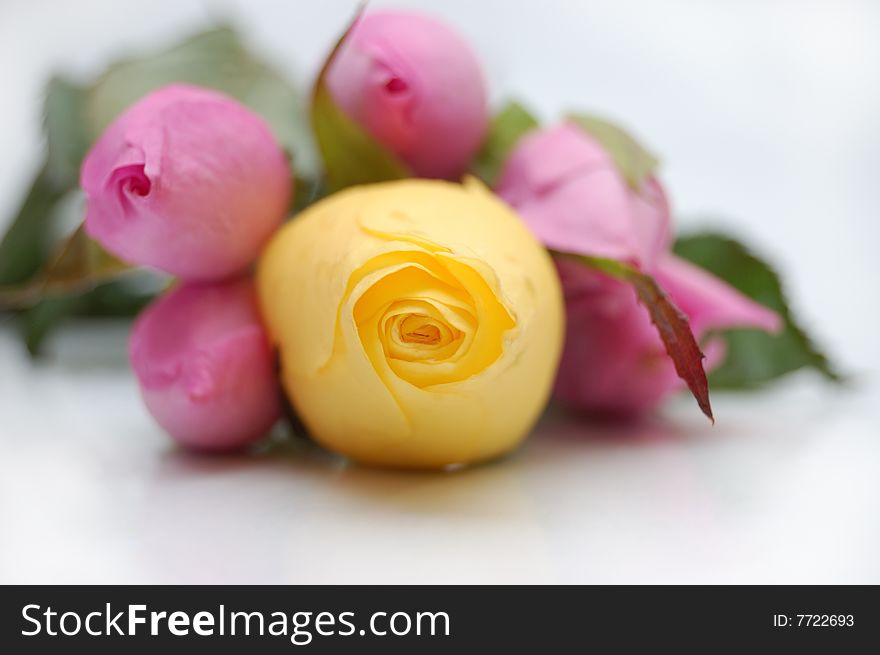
x,y
419,323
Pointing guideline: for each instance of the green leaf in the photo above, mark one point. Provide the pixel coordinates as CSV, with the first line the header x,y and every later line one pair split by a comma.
x,y
671,323
123,298
632,160
38,321
753,356
216,59
308,191
351,156
506,129
111,300
78,265
75,116
28,239
24,245
68,136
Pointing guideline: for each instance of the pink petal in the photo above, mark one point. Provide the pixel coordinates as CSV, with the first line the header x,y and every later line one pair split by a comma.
x,y
205,365
571,195
709,302
417,87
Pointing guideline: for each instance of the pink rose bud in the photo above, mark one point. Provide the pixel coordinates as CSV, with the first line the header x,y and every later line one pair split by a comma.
x,y
613,361
186,180
417,87
569,192
205,366
567,188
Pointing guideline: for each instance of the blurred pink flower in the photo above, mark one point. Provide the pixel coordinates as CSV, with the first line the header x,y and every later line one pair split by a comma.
x,y
417,87
613,361
186,180
205,366
569,192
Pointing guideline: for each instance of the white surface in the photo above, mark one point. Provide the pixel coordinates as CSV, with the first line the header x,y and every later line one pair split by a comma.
x,y
766,112
783,489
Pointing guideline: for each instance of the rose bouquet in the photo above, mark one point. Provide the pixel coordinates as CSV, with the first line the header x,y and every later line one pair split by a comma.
x,y
407,273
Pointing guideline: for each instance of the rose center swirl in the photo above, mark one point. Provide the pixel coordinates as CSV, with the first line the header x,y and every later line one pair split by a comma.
x,y
427,318
420,330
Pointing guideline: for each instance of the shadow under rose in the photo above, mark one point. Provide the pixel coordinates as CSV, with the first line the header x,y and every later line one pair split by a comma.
x,y
303,514
559,440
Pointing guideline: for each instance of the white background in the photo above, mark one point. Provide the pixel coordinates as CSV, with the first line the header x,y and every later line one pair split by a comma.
x,y
767,118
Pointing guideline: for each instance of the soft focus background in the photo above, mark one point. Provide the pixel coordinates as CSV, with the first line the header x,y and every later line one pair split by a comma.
x,y
766,117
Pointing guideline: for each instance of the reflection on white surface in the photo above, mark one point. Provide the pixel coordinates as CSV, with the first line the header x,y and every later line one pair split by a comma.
x,y
763,112
783,489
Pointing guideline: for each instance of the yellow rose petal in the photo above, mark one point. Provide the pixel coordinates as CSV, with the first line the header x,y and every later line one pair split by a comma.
x,y
418,322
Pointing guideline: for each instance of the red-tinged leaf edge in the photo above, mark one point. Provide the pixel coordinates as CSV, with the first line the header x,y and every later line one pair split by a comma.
x,y
671,323
754,357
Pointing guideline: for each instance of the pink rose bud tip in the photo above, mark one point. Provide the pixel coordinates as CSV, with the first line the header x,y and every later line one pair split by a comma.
x,y
568,190
205,366
188,181
416,87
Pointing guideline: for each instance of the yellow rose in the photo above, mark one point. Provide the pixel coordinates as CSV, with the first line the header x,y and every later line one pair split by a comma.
x,y
419,323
